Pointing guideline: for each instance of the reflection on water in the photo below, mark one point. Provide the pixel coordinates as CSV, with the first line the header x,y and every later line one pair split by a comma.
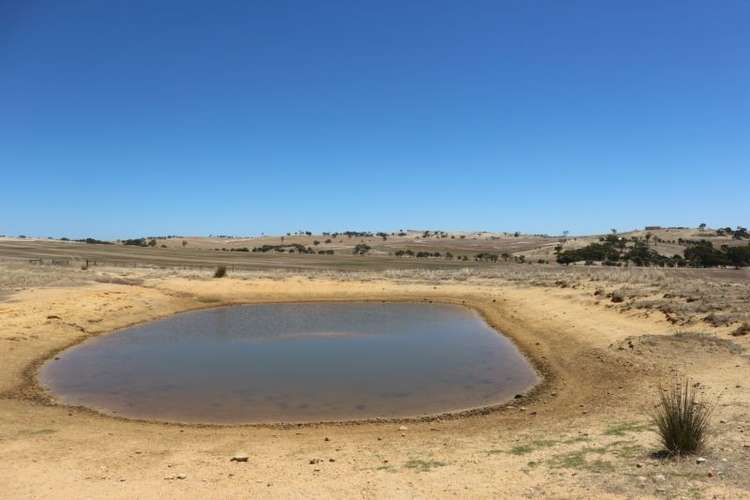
x,y
294,363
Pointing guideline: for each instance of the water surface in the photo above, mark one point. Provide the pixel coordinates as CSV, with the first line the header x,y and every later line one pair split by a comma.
x,y
294,363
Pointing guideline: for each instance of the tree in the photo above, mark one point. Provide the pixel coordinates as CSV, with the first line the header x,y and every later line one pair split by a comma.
x,y
702,226
703,254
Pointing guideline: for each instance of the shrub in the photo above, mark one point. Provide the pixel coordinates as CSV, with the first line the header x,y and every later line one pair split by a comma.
x,y
93,241
742,330
361,249
682,420
138,242
220,272
703,254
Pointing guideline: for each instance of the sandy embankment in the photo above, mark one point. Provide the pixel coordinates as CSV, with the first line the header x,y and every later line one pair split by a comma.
x,y
581,434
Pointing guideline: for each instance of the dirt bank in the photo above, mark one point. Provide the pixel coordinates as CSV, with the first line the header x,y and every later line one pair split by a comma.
x,y
584,433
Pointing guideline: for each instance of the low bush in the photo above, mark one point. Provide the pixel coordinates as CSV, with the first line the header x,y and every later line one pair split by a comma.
x,y
361,249
742,330
220,272
682,419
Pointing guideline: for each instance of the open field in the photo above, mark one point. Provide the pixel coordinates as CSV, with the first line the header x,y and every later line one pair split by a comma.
x,y
603,338
336,251
201,252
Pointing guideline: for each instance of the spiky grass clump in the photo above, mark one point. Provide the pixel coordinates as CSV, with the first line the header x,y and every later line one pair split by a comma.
x,y
220,272
682,418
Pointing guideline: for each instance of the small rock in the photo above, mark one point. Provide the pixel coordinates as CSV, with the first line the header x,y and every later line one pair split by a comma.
x,y
326,439
314,461
660,477
402,428
639,465
240,457
700,460
331,460
181,476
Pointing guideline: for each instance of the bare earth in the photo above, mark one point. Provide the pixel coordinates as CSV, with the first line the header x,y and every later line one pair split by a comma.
x,y
583,433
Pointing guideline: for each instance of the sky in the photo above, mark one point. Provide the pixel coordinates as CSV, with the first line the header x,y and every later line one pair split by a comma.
x,y
130,118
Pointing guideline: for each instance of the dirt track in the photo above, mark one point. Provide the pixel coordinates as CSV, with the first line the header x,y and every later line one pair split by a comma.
x,y
582,435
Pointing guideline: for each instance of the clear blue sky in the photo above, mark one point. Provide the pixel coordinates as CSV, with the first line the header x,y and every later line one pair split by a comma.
x,y
124,118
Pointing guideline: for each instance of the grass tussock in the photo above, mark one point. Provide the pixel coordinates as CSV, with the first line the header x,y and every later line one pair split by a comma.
x,y
220,272
682,418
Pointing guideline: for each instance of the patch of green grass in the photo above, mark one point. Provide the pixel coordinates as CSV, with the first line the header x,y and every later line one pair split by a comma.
x,y
424,465
521,450
624,427
577,460
386,468
578,439
544,443
524,449
599,466
571,460
629,451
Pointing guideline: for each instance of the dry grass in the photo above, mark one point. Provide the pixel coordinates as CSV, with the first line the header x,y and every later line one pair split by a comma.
x,y
686,297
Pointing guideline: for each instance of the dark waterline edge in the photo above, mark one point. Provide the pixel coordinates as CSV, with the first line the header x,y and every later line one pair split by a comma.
x,y
30,389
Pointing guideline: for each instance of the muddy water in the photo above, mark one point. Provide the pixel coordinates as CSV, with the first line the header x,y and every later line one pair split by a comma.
x,y
294,363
